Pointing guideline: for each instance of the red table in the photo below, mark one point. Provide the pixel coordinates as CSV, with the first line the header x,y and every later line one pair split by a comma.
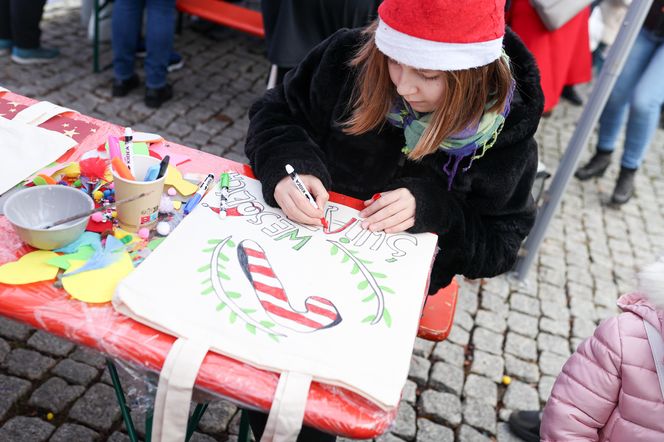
x,y
42,305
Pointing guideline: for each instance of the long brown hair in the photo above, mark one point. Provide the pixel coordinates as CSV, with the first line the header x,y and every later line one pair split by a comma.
x,y
464,98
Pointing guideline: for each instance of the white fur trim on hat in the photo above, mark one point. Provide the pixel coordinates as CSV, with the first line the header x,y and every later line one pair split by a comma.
x,y
427,54
651,283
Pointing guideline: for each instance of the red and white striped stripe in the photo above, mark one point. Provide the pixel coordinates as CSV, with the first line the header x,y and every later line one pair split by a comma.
x,y
319,312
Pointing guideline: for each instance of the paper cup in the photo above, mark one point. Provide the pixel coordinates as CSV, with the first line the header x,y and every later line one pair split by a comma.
x,y
144,211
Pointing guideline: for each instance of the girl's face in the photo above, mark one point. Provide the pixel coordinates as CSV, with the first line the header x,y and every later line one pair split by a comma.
x,y
421,88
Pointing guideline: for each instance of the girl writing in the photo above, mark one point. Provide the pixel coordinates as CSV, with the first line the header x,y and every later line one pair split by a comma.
x,y
434,107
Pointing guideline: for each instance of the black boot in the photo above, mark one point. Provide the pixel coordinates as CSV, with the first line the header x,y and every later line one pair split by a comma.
x,y
571,95
624,186
595,167
122,87
155,97
526,425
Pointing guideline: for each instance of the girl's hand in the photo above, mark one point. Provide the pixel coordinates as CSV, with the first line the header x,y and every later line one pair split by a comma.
x,y
295,205
393,212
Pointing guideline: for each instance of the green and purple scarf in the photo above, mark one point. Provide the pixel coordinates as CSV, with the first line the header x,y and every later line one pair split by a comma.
x,y
473,141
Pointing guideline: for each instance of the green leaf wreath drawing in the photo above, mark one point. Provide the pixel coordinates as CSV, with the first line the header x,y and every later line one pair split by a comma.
x,y
216,274
369,282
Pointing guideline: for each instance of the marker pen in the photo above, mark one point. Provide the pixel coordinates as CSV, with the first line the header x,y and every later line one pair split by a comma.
x,y
151,173
129,155
202,188
224,182
163,166
300,185
114,147
121,169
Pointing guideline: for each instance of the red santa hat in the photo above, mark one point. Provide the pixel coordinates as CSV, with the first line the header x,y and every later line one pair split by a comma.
x,y
441,35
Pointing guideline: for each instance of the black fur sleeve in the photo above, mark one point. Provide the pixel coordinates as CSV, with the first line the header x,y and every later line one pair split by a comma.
x,y
288,123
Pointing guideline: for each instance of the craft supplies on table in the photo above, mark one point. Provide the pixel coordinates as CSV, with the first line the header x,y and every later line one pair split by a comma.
x,y
44,305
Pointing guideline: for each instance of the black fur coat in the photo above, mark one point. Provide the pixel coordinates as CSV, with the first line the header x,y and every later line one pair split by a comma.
x,y
480,222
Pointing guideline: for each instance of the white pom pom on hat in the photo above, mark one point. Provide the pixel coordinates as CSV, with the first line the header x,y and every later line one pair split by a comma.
x,y
441,34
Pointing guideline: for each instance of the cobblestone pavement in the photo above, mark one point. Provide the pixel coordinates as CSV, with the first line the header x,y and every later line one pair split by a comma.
x,y
455,390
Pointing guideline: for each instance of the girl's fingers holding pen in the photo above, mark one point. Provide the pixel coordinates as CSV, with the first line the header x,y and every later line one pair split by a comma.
x,y
293,208
316,189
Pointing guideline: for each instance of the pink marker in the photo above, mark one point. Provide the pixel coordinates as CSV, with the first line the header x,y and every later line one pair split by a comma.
x,y
114,147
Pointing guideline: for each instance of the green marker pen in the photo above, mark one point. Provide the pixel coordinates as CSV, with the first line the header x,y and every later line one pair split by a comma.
x,y
224,182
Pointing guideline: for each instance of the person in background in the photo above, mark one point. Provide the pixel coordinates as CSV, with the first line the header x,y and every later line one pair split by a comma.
x,y
20,34
563,56
294,27
639,93
427,115
613,14
159,34
612,387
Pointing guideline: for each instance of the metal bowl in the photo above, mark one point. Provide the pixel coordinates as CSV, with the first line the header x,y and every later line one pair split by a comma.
x,y
30,209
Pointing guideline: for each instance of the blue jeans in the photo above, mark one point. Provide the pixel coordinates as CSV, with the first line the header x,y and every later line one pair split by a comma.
x,y
639,88
159,30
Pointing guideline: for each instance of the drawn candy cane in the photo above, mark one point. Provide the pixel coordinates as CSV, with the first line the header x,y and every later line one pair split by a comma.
x,y
319,313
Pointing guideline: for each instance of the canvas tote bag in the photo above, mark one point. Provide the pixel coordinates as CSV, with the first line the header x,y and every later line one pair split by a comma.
x,y
37,146
340,306
555,13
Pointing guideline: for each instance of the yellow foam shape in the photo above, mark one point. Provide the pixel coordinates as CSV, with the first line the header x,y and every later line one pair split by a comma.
x,y
96,286
174,178
177,204
31,267
73,170
120,234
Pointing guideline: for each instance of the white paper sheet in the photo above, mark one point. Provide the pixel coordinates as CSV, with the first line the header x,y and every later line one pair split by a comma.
x,y
24,149
343,307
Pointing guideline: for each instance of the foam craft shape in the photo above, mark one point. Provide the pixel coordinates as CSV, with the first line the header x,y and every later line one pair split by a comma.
x,y
72,170
174,178
51,170
91,239
64,261
96,286
31,267
121,234
25,149
174,158
342,305
146,137
102,258
137,148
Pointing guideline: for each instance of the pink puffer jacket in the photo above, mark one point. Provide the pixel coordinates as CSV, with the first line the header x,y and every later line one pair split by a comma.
x,y
608,390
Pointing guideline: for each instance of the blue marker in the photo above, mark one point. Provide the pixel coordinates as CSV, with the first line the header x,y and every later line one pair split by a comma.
x,y
152,173
202,188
